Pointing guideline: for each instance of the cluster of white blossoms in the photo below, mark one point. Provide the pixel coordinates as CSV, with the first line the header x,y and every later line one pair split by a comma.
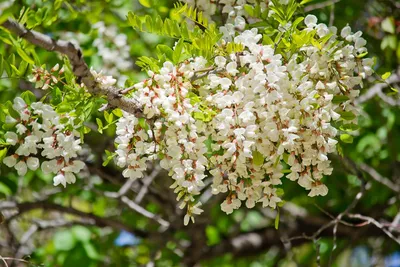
x,y
252,117
41,133
43,79
114,50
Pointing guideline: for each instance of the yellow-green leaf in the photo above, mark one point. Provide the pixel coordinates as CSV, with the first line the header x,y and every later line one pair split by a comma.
x,y
346,138
258,158
386,75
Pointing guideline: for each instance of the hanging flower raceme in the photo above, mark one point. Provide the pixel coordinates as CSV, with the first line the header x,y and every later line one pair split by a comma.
x,y
239,122
40,134
254,117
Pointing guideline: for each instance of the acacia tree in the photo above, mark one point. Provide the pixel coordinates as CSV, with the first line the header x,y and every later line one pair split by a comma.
x,y
240,108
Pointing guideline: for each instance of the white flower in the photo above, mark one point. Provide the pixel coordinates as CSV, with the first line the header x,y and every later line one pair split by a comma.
x,y
318,190
19,104
21,168
346,31
32,163
10,161
231,68
220,61
11,138
311,21
60,179
229,205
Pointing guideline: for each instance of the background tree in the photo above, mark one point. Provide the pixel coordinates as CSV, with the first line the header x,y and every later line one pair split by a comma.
x,y
105,219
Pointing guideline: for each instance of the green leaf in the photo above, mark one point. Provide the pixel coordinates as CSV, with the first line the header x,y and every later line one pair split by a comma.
x,y
249,10
297,22
337,99
110,156
277,220
349,127
5,189
28,97
388,25
100,125
91,251
213,236
143,123
389,41
24,55
198,115
11,110
305,2
108,116
145,3
362,55
117,112
56,96
258,158
347,115
386,75
81,233
64,240
395,91
280,192
178,51
346,138
3,153
166,51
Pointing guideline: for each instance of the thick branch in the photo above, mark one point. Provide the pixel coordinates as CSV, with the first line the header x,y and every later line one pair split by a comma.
x,y
80,68
98,221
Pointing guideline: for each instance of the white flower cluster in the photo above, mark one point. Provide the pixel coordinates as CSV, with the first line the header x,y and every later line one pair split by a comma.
x,y
256,116
114,50
40,128
44,79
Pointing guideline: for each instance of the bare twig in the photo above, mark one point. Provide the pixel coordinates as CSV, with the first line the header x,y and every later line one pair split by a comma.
x,y
338,219
320,5
379,178
146,183
376,223
98,221
332,15
377,90
122,191
4,260
131,204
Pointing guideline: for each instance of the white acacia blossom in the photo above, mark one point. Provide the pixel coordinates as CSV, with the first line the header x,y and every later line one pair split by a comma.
x,y
240,123
41,133
253,118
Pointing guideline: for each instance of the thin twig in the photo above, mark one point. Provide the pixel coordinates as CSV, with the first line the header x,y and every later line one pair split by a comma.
x,y
98,221
146,183
131,204
377,90
4,260
379,178
320,5
376,223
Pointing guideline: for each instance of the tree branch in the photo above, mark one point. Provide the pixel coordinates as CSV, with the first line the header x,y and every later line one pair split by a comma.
x,y
379,178
98,221
377,90
79,66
